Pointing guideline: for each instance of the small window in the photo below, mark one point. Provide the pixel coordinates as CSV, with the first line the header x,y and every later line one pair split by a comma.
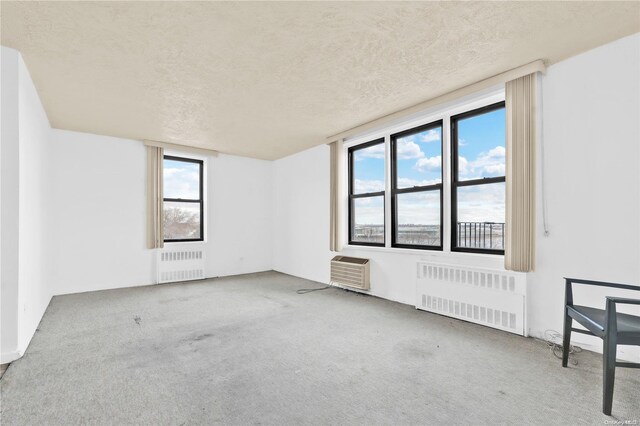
x,y
416,187
366,194
183,200
478,185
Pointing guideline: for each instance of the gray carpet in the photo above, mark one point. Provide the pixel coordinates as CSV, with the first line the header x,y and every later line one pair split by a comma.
x,y
249,350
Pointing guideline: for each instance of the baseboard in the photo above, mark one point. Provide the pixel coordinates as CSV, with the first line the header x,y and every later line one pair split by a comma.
x,y
7,357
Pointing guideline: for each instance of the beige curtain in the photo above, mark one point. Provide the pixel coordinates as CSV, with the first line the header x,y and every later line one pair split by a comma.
x,y
520,173
155,224
335,157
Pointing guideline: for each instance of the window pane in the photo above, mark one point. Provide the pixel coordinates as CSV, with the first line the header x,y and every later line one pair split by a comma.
x,y
368,220
181,221
481,146
368,169
481,215
419,159
181,180
418,218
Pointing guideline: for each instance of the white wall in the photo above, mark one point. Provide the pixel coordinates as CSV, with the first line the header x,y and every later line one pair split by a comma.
x,y
9,212
591,134
98,232
240,218
25,290
301,218
34,129
97,213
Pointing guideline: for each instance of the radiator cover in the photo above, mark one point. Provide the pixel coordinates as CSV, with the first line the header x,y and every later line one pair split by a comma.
x,y
180,264
494,298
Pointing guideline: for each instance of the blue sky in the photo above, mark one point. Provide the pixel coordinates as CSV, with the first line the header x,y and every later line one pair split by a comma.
x,y
481,154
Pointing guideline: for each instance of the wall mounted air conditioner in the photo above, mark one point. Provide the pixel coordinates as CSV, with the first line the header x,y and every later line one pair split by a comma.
x,y
350,272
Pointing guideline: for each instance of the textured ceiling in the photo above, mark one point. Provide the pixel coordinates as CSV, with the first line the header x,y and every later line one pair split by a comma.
x,y
268,79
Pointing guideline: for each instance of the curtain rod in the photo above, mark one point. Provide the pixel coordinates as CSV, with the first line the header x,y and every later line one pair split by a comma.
x,y
530,68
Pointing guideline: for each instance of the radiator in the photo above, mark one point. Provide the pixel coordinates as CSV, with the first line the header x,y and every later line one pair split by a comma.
x,y
350,272
493,298
180,265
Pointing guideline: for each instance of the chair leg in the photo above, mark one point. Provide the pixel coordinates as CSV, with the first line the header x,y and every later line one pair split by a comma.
x,y
609,373
566,338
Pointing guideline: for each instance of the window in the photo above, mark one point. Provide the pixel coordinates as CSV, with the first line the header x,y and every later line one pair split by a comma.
x,y
366,194
478,184
446,181
183,200
416,187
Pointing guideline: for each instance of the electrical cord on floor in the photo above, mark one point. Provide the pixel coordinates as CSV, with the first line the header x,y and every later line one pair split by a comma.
x,y
309,290
553,339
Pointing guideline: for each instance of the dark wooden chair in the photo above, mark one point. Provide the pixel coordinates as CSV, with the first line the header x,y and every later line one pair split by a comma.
x,y
614,328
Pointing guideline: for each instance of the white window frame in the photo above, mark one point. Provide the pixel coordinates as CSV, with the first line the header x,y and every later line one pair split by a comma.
x,y
442,112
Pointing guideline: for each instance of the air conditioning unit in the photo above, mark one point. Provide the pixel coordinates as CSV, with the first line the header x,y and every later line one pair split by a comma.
x,y
350,272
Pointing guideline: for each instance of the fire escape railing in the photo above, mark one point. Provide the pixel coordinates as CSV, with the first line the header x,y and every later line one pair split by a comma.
x,y
483,235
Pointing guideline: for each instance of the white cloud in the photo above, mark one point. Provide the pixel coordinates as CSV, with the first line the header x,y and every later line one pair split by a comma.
x,y
363,186
482,203
497,152
410,183
408,149
181,183
429,163
463,166
419,208
430,136
487,164
375,151
369,211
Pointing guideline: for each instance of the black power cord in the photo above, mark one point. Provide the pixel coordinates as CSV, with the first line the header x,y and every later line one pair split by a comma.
x,y
309,290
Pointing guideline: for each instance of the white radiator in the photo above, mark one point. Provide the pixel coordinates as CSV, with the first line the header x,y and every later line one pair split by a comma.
x,y
176,264
493,298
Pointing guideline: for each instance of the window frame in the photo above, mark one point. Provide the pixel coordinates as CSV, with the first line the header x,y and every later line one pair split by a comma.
x,y
425,188
456,183
352,196
200,200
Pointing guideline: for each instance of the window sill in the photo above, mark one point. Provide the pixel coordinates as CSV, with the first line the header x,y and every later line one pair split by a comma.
x,y
495,261
185,242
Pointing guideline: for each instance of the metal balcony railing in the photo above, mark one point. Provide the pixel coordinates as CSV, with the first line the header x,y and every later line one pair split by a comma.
x,y
481,235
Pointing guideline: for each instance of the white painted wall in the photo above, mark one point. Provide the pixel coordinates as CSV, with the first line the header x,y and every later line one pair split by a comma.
x,y
301,218
591,120
9,212
98,206
25,291
97,213
240,215
591,131
35,291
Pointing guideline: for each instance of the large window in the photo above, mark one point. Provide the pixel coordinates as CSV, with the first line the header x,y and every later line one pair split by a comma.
x,y
416,187
446,180
183,200
478,185
366,194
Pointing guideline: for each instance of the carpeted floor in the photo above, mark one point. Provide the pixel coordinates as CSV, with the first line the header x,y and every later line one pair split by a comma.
x,y
249,350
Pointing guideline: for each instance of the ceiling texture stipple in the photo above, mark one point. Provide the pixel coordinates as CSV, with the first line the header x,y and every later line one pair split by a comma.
x,y
269,79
